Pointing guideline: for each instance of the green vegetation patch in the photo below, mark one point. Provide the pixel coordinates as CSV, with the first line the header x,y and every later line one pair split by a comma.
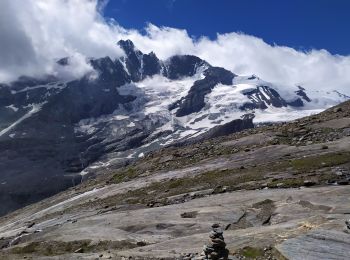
x,y
317,162
126,175
287,183
52,248
252,252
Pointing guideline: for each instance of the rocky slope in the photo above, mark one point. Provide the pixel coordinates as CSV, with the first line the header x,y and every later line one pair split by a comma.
x,y
54,133
279,190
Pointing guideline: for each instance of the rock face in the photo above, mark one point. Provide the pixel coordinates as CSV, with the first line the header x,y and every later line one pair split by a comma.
x,y
194,101
183,66
139,65
263,96
226,129
301,92
320,244
216,249
52,131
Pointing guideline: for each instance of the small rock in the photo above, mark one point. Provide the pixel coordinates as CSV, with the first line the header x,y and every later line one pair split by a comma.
x,y
337,109
289,199
331,182
141,243
324,147
347,222
308,183
166,159
192,214
343,182
339,173
30,224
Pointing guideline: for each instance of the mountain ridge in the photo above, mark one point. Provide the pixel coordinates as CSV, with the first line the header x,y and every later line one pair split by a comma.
x,y
54,134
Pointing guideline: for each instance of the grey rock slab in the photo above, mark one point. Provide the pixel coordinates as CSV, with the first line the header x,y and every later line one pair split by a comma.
x,y
165,230
338,123
255,139
317,245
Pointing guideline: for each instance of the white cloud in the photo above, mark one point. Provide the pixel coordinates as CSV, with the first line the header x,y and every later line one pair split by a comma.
x,y
243,54
35,32
164,41
246,55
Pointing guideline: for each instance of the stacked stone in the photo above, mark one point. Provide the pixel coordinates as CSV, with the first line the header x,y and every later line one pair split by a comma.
x,y
216,249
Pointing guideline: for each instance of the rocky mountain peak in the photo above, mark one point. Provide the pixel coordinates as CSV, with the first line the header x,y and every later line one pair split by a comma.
x,y
180,66
63,62
126,45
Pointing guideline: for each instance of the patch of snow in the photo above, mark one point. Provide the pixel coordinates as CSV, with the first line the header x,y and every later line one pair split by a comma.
x,y
35,109
262,90
85,128
15,109
324,99
59,205
123,62
131,155
273,114
120,117
131,124
244,88
84,172
56,85
158,92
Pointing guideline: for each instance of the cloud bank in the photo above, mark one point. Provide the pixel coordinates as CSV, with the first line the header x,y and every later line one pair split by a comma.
x,y
35,33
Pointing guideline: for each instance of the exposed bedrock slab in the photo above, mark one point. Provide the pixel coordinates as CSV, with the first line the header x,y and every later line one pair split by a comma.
x,y
316,245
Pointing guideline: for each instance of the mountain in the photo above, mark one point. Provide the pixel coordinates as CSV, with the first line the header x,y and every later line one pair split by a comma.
x,y
279,191
54,134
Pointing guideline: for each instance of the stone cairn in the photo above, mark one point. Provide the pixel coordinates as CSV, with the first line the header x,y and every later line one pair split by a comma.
x,y
216,249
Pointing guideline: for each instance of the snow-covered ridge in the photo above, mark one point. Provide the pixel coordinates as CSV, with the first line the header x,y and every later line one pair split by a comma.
x,y
223,104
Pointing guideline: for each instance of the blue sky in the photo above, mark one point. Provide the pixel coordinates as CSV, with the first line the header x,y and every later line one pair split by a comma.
x,y
301,24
